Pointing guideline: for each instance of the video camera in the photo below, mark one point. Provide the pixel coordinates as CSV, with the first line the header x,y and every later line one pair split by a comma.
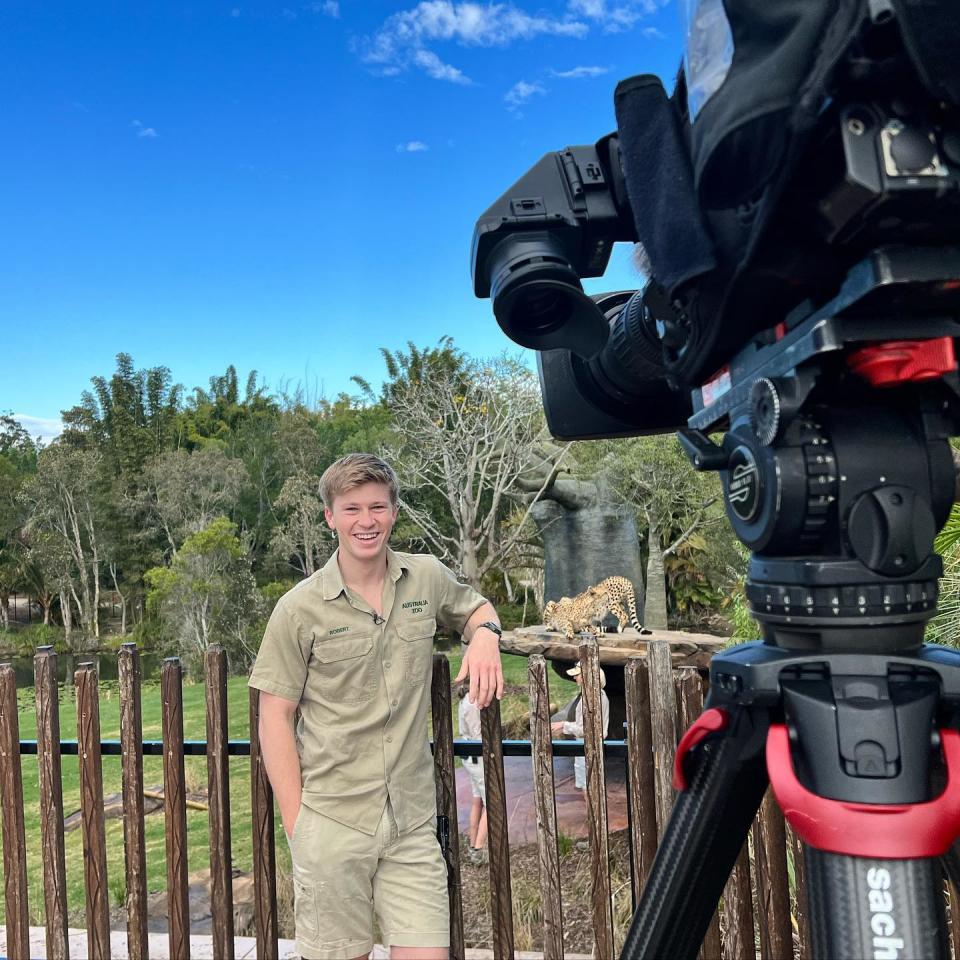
x,y
809,156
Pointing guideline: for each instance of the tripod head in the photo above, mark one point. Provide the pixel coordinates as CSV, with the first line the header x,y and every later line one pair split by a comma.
x,y
836,465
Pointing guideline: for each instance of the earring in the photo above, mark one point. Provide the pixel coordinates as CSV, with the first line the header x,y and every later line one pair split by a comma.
x,y
333,534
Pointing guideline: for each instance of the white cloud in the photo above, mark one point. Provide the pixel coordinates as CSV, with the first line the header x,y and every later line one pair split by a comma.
x,y
614,15
521,92
39,427
434,67
578,73
412,146
653,33
407,38
331,8
147,132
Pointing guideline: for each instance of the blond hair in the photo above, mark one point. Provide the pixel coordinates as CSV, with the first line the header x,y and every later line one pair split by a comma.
x,y
354,470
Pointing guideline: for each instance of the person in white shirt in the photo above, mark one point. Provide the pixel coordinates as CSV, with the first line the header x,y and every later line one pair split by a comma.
x,y
574,728
468,717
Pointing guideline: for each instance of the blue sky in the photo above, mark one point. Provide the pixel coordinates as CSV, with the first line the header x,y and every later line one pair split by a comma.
x,y
285,186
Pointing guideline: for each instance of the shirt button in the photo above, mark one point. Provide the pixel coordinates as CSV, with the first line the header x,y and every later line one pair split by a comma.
x,y
386,663
395,703
389,739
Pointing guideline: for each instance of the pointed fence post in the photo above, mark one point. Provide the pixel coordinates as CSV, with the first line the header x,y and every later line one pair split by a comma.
x,y
596,796
91,812
134,838
445,776
218,792
175,809
643,810
51,802
546,805
501,906
663,724
11,806
264,850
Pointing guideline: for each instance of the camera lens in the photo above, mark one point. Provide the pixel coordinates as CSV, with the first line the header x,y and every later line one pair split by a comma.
x,y
543,309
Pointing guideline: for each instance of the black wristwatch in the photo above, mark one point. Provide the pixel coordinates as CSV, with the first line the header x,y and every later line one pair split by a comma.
x,y
490,625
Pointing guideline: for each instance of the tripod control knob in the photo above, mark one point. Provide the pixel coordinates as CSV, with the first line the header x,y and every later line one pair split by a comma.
x,y
891,530
765,410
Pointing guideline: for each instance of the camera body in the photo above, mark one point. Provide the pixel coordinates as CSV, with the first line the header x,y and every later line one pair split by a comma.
x,y
834,133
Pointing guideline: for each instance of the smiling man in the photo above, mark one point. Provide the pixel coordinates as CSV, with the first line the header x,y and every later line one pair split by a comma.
x,y
350,649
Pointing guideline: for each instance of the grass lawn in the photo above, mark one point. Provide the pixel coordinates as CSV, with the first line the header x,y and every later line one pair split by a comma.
x,y
514,706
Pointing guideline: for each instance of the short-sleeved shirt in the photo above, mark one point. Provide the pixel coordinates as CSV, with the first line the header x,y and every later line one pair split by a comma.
x,y
363,687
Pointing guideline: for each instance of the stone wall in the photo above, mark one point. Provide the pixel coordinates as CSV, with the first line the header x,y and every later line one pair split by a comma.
x,y
585,545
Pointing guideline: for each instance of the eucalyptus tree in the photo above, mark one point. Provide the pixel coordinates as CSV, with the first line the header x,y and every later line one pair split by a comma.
x,y
184,491
64,500
464,436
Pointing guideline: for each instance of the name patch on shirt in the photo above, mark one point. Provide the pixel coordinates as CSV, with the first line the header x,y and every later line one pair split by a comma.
x,y
336,630
416,604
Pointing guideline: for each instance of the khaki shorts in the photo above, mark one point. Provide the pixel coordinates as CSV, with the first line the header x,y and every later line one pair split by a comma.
x,y
342,877
475,771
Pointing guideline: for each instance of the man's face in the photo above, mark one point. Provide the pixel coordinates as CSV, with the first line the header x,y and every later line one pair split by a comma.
x,y
363,518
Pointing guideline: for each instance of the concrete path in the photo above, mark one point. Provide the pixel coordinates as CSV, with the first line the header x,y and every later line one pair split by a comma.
x,y
201,948
571,806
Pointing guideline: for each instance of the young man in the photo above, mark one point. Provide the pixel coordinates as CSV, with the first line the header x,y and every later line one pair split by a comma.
x,y
350,648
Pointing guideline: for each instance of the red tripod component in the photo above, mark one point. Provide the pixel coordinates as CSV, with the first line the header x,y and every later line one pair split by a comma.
x,y
903,361
905,831
710,721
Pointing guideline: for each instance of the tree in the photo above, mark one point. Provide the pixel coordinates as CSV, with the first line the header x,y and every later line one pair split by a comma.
x,y
47,572
301,538
207,594
128,418
18,457
464,435
183,491
62,498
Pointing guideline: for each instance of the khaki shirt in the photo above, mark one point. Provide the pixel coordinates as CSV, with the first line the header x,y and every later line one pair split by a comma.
x,y
363,688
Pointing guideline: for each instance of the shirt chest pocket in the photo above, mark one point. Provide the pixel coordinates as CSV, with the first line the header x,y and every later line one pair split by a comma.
x,y
417,642
345,667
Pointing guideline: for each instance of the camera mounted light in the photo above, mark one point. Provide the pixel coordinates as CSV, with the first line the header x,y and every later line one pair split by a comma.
x,y
538,299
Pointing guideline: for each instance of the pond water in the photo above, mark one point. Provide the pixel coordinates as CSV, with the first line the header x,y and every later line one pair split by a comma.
x,y
67,664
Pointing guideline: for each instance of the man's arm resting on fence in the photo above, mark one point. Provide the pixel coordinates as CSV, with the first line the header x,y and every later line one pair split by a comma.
x,y
278,748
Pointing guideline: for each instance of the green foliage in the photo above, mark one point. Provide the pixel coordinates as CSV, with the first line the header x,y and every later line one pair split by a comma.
x,y
737,611
274,590
25,640
207,594
945,626
565,844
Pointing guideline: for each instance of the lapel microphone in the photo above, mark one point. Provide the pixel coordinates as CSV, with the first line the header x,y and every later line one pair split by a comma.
x,y
377,619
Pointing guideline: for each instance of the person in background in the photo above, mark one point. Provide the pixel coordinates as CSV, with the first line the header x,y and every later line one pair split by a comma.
x,y
468,719
574,728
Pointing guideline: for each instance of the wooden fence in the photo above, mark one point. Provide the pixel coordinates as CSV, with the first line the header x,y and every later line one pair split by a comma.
x,y
755,908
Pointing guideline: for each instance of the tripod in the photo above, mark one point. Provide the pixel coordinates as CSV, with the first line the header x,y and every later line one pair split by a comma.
x,y
837,474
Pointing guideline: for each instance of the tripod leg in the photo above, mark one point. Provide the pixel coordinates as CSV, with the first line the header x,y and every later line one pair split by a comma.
x,y
706,831
862,907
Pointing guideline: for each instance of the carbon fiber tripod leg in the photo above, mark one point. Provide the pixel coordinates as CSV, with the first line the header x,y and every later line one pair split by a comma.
x,y
706,832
